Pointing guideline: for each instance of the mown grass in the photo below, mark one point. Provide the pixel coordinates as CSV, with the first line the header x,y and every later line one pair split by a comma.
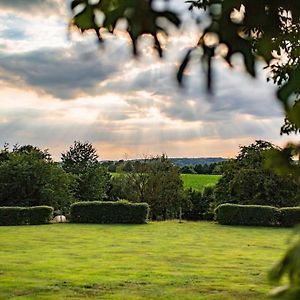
x,y
165,260
199,181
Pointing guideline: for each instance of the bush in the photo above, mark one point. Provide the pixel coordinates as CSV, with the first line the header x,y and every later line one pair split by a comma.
x,y
12,216
289,216
39,215
109,212
246,181
251,215
202,203
25,215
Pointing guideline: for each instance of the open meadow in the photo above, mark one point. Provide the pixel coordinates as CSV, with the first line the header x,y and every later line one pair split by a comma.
x,y
199,181
159,260
195,181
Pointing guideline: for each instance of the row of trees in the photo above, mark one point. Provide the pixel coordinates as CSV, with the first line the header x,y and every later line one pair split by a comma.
x,y
127,166
30,177
213,168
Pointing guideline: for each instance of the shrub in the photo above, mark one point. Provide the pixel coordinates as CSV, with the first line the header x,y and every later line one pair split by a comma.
x,y
12,216
202,203
39,215
246,181
25,215
109,212
252,215
289,216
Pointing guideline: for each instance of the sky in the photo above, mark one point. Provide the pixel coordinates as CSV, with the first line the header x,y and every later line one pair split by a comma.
x,y
58,86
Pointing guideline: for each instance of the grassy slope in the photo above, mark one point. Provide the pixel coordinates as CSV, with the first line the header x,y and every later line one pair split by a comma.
x,y
164,260
198,182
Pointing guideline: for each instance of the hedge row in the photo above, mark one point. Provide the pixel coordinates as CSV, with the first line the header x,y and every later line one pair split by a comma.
x,y
257,215
289,216
25,215
109,212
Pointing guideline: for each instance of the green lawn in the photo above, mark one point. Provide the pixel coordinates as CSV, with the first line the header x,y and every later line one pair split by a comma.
x,y
199,181
164,260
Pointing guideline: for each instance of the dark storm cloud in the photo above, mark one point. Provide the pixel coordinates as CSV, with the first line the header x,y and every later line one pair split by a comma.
x,y
62,72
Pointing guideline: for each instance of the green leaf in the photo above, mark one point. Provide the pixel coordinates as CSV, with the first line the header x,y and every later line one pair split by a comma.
x,y
86,19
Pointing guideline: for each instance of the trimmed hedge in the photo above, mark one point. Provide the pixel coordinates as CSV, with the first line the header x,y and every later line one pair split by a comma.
x,y
107,212
250,215
39,215
289,216
12,216
25,215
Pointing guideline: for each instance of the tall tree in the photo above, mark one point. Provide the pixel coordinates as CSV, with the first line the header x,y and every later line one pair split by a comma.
x,y
92,179
79,157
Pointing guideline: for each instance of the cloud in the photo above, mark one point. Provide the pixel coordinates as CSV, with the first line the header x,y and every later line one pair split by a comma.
x,y
234,92
32,6
120,104
64,73
13,34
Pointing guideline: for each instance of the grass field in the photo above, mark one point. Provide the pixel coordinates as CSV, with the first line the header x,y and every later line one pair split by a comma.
x,y
195,181
165,260
199,181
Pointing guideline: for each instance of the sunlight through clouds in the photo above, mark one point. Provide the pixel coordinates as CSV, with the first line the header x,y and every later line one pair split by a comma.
x,y
58,86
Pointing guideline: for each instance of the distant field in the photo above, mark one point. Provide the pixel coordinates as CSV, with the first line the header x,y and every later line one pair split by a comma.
x,y
199,181
161,260
195,181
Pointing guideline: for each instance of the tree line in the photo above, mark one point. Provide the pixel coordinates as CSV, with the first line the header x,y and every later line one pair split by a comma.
x,y
30,177
127,166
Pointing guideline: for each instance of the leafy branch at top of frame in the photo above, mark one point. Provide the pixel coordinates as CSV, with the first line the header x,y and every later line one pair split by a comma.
x,y
140,16
266,29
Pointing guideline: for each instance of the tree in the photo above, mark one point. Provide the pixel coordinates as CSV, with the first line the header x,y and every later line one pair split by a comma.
x,y
92,179
29,149
246,181
155,181
93,184
187,170
79,157
164,189
128,166
26,179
